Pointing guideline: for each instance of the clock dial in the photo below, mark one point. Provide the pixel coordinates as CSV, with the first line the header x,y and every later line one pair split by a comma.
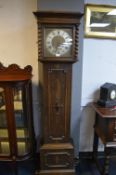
x,y
58,43
113,95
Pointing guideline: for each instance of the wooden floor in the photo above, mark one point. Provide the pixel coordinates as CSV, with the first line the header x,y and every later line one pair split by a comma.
x,y
83,167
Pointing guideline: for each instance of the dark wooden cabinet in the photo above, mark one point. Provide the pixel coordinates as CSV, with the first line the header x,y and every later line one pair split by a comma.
x,y
16,121
58,49
105,124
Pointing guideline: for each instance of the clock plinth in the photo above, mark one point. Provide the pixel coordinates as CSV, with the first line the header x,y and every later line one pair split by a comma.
x,y
57,159
58,49
57,172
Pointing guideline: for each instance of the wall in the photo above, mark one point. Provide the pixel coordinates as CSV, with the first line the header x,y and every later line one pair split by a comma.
x,y
18,44
64,5
99,66
18,39
74,5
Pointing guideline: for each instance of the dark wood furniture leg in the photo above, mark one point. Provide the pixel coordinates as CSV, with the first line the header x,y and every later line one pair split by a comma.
x,y
95,141
105,170
14,168
95,145
95,151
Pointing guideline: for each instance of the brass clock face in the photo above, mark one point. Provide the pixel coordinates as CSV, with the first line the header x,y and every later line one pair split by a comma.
x,y
58,42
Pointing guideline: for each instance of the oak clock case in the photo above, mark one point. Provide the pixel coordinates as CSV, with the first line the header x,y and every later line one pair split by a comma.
x,y
16,121
57,50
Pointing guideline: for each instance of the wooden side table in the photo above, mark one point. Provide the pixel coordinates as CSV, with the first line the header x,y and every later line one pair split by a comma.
x,y
105,129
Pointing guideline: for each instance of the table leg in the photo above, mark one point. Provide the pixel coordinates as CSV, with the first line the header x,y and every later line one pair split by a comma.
x,y
106,161
96,140
95,145
95,151
95,148
14,168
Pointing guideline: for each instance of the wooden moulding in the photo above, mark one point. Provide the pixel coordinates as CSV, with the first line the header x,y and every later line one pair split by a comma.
x,y
14,73
58,17
56,172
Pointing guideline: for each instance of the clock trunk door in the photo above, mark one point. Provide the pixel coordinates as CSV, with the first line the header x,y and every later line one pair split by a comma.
x,y
57,102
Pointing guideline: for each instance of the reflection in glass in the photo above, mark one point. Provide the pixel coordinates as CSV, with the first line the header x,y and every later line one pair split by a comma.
x,y
103,21
20,133
3,133
5,148
21,121
21,148
4,139
18,107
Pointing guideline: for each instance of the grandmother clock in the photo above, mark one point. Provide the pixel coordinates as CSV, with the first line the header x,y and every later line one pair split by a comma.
x,y
58,49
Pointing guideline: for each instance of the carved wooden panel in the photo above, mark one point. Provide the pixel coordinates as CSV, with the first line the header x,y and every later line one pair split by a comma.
x,y
58,159
57,102
57,156
14,73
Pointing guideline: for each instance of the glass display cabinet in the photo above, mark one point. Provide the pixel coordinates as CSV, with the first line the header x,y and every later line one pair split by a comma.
x,y
16,122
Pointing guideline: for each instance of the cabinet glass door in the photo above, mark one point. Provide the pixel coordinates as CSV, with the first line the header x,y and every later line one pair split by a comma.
x,y
4,138
21,121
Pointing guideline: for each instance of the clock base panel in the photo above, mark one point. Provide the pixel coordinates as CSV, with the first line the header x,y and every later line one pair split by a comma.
x,y
56,172
56,159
